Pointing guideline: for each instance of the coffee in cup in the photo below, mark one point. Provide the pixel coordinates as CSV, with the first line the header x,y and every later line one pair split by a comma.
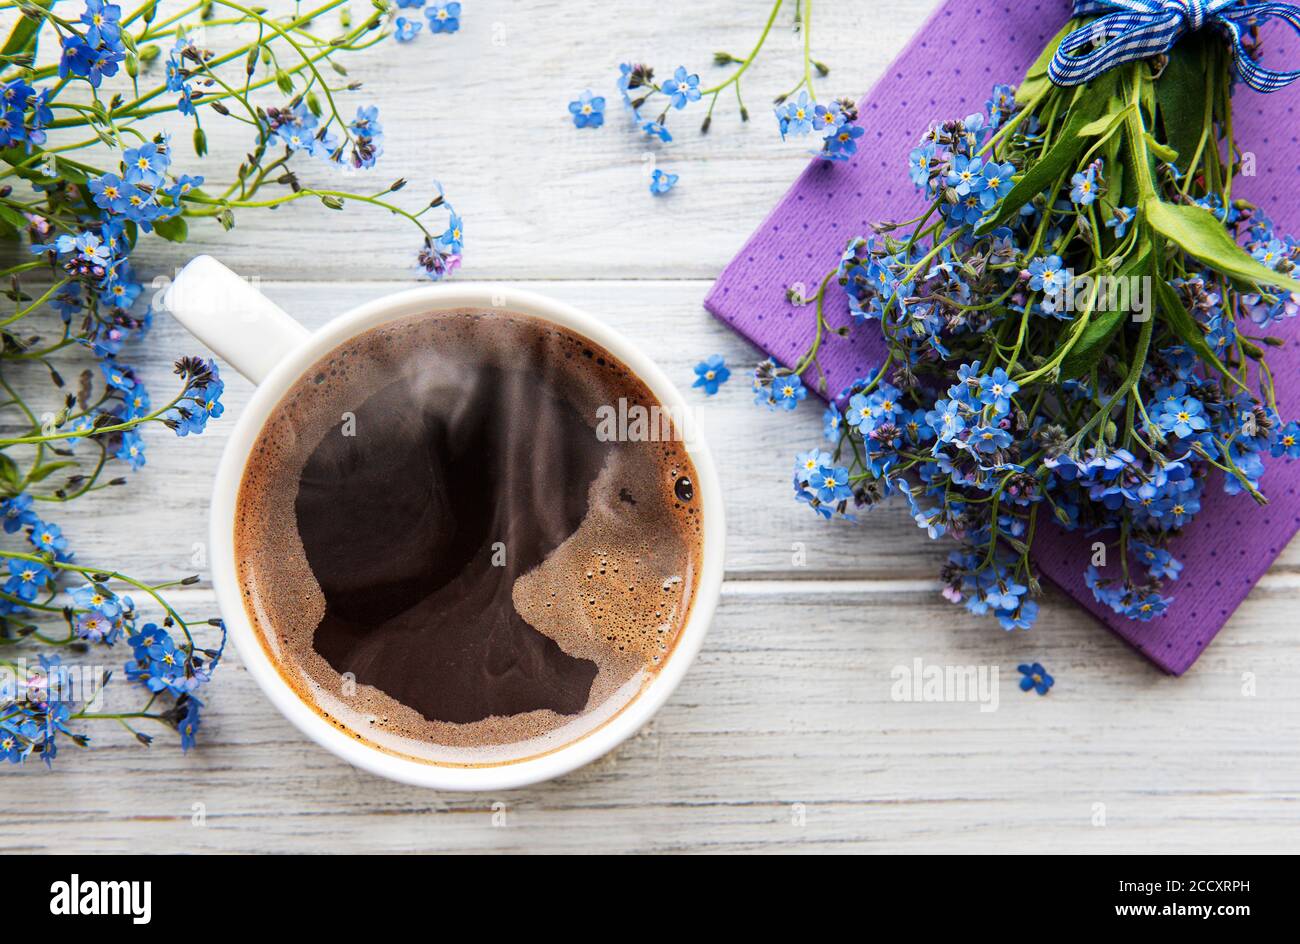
x,y
468,536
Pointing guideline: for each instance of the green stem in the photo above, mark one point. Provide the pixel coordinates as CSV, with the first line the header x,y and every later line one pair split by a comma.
x,y
734,78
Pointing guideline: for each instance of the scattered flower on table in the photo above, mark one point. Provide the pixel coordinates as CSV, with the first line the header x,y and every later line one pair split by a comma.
x,y
656,129
1035,677
661,182
406,30
683,88
711,374
588,110
443,17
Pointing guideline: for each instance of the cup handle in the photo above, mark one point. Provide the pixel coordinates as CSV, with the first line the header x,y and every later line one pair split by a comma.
x,y
229,315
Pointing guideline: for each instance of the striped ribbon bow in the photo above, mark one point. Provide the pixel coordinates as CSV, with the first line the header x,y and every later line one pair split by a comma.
x,y
1136,29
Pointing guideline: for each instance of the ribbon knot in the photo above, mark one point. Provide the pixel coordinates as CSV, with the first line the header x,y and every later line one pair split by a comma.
x,y
1193,13
1128,30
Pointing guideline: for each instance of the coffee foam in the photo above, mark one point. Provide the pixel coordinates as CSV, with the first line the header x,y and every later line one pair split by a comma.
x,y
616,592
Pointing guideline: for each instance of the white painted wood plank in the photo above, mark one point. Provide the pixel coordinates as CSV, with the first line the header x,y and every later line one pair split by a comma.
x,y
485,112
789,703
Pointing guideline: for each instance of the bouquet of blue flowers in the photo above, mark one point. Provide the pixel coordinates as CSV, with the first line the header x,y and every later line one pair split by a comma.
x,y
1076,326
109,75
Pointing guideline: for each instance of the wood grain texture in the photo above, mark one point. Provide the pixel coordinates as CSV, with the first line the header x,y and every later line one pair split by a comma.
x,y
789,704
485,112
786,735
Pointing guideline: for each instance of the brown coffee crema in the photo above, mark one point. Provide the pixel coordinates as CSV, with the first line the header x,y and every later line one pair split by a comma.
x,y
455,547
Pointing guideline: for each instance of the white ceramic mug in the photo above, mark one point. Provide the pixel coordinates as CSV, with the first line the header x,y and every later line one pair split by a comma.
x,y
261,341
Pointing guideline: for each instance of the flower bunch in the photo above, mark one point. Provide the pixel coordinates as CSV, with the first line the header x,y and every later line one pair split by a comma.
x,y
798,114
109,74
46,582
147,192
1076,328
442,17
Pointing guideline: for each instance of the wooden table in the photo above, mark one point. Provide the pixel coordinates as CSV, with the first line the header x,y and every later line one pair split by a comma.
x,y
785,735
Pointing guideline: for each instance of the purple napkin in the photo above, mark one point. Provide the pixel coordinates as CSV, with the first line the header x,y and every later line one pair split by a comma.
x,y
947,71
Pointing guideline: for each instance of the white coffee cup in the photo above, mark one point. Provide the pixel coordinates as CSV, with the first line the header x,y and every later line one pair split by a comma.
x,y
261,341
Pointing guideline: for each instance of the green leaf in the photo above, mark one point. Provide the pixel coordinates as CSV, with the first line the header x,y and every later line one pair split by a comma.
x,y
1103,325
1115,113
12,217
1036,81
11,479
1090,102
1200,234
1116,179
44,471
74,172
1161,151
1170,307
1180,93
175,229
1094,128
23,37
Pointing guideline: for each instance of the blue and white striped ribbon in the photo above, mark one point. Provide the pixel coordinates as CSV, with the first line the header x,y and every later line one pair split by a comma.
x,y
1136,29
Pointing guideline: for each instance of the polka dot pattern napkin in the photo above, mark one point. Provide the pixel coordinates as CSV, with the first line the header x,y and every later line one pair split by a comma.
x,y
948,71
